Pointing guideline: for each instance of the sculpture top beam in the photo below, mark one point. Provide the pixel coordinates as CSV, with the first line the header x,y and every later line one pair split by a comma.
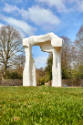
x,y
49,38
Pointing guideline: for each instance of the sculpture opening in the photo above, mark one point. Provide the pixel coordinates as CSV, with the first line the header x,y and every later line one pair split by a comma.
x,y
48,43
40,57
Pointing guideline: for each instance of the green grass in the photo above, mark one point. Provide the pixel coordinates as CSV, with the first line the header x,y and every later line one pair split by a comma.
x,y
41,106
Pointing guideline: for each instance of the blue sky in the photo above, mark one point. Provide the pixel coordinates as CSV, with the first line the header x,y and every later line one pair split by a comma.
x,y
34,17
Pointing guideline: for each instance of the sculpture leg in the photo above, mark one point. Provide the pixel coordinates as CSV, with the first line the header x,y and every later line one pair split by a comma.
x,y
27,73
59,67
56,68
34,74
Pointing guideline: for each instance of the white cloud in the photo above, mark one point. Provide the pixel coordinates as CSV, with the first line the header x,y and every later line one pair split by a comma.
x,y
24,13
10,8
21,25
59,4
15,10
64,5
43,17
38,15
79,5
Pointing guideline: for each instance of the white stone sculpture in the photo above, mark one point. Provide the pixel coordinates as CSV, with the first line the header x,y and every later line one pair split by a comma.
x,y
48,43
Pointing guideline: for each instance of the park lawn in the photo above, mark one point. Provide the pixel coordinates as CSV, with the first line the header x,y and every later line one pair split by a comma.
x,y
41,106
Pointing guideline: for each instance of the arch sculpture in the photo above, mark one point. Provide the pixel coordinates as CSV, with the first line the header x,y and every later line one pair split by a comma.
x,y
48,43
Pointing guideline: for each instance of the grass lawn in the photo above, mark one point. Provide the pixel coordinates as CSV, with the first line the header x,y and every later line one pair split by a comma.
x,y
41,106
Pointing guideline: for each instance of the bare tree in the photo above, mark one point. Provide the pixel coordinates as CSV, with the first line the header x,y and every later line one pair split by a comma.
x,y
10,47
20,60
66,52
79,46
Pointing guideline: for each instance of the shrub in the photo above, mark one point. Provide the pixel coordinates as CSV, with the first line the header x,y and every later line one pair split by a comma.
x,y
12,75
